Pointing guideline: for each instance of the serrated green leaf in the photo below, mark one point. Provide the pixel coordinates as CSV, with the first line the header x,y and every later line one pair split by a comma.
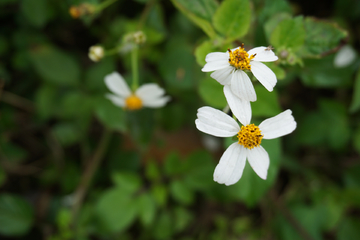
x,y
199,12
212,93
232,18
290,33
355,103
116,210
55,66
16,215
321,37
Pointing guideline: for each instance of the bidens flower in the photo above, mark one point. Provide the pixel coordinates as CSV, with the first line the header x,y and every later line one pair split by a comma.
x,y
147,95
232,162
229,69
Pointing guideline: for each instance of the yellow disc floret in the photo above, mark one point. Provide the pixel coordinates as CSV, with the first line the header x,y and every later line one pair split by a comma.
x,y
240,58
250,136
133,102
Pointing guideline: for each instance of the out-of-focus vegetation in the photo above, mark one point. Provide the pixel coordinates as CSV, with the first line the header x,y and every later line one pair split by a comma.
x,y
74,166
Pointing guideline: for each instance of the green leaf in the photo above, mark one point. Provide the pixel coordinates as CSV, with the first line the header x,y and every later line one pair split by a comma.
x,y
160,193
232,18
173,165
181,193
127,181
273,7
147,209
111,116
202,50
183,218
251,188
290,33
349,229
16,215
355,103
321,37
116,210
163,227
199,12
267,104
212,93
273,22
55,66
36,11
46,100
356,140
95,75
67,133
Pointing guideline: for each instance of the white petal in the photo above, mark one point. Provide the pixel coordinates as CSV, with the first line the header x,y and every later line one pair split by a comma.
x,y
223,76
240,108
242,86
216,123
215,65
259,160
116,83
156,102
216,56
264,74
116,100
231,165
149,91
262,54
344,57
278,126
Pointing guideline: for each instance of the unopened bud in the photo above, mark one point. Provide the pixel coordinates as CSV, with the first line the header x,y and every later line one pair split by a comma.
x,y
96,53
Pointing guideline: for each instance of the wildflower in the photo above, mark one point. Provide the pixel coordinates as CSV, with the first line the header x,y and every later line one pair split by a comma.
x,y
84,9
147,95
232,162
229,69
96,53
344,57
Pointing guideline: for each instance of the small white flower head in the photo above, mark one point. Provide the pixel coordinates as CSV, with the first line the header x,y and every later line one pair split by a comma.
x,y
229,69
96,53
231,165
148,95
344,57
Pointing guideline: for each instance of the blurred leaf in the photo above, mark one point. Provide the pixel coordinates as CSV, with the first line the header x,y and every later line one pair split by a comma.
x,y
116,210
160,194
183,218
274,21
273,7
127,181
202,50
67,133
321,37
199,12
290,33
251,188
36,11
349,229
55,66
95,75
321,73
173,165
181,193
16,215
111,116
212,93
232,18
2,176
152,171
163,227
267,104
12,152
279,72
356,140
72,179
355,103
147,209
46,100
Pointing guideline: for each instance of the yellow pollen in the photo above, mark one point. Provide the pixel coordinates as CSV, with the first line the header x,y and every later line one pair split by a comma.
x,y
240,58
133,103
250,136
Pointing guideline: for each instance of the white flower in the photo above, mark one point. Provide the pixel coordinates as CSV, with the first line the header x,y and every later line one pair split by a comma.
x,y
229,69
344,57
147,95
232,162
96,53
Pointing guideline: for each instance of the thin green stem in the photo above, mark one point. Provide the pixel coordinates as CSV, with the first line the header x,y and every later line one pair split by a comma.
x,y
90,170
104,4
135,67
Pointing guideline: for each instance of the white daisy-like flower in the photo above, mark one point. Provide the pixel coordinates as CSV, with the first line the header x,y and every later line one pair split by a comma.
x,y
148,95
217,123
229,69
96,53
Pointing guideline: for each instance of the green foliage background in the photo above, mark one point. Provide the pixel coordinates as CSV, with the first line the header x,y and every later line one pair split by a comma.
x,y
152,169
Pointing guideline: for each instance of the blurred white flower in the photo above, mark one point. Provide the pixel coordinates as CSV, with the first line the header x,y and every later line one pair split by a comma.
x,y
96,53
344,57
229,69
147,95
217,123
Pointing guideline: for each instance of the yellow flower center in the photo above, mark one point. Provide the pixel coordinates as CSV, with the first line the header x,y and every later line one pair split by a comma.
x,y
240,58
250,136
133,103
